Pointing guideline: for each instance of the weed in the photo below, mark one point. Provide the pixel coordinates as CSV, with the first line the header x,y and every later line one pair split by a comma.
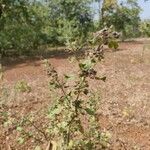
x,y
73,116
22,86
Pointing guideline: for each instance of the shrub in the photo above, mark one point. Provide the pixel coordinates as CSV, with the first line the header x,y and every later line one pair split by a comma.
x,y
145,28
77,103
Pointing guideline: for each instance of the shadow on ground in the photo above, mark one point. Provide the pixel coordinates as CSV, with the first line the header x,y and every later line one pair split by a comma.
x,y
11,62
58,53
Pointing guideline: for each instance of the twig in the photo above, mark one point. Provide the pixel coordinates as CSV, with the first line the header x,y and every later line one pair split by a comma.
x,y
39,130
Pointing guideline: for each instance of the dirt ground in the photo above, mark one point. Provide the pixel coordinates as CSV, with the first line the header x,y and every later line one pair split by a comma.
x,y
124,110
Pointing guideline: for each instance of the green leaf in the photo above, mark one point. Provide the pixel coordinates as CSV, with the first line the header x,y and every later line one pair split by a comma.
x,y
70,146
93,60
101,78
113,44
55,111
66,76
89,145
87,64
86,91
89,111
82,66
69,77
37,148
20,140
19,129
7,123
64,124
116,45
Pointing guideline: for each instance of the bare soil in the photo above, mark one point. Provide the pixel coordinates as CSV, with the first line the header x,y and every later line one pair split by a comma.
x,y
125,96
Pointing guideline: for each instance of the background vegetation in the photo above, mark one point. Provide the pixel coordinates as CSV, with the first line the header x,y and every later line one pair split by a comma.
x,y
25,24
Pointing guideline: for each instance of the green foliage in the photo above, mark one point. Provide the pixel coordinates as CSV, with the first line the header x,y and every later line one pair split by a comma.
x,y
4,90
4,93
124,17
22,26
108,37
22,86
72,19
1,73
145,28
113,45
26,25
37,148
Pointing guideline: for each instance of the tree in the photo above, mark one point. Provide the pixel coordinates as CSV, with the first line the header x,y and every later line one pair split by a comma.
x,y
22,25
71,18
107,6
145,28
104,7
26,24
124,16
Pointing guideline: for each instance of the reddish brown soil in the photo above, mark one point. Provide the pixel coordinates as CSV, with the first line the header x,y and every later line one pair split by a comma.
x,y
125,96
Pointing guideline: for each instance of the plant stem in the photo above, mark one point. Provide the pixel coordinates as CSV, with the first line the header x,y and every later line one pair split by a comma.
x,y
39,130
62,89
78,95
